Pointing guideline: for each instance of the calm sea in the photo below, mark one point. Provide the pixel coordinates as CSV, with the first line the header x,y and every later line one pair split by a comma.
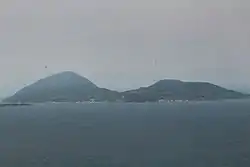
x,y
198,134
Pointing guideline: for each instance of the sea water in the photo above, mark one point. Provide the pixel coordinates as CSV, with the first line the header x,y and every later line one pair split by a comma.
x,y
193,134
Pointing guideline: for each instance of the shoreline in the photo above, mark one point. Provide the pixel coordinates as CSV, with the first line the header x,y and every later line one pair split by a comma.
x,y
120,102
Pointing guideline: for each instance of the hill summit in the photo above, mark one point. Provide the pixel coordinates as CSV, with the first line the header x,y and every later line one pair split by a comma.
x,y
66,86
179,90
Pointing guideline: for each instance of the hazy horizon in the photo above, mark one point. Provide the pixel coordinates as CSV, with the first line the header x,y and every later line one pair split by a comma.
x,y
121,45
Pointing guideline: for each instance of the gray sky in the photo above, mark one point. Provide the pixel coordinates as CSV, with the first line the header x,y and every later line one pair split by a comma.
x,y
121,44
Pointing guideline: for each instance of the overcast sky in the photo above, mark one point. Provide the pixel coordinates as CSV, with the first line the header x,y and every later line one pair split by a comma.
x,y
122,44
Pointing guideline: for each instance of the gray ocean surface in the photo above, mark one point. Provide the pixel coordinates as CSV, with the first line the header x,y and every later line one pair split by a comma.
x,y
197,134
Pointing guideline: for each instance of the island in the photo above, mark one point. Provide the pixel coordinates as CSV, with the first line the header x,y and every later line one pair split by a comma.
x,y
14,104
71,87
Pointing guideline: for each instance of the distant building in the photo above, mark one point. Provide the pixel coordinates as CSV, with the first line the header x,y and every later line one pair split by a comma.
x,y
161,101
92,100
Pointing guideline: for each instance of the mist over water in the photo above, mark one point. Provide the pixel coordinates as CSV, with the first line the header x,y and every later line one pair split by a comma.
x,y
128,135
